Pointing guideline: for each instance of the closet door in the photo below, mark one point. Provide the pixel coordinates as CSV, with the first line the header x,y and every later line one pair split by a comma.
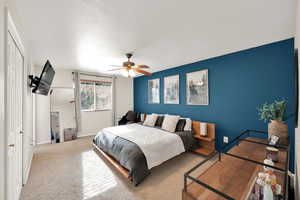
x,y
19,119
14,101
11,125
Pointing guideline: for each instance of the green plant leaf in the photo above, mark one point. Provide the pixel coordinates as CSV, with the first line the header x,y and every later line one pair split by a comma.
x,y
273,111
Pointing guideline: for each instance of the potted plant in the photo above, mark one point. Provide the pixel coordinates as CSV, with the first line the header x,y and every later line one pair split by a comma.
x,y
274,113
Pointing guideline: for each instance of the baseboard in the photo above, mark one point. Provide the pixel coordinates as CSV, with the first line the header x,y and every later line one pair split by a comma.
x,y
87,134
27,171
44,142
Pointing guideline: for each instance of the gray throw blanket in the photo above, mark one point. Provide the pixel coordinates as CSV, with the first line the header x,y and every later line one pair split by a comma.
x,y
130,156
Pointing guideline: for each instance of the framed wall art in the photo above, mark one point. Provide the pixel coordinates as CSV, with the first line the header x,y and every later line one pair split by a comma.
x,y
153,91
171,89
197,88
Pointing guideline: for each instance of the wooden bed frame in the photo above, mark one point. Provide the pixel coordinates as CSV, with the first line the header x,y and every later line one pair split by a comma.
x,y
125,172
115,163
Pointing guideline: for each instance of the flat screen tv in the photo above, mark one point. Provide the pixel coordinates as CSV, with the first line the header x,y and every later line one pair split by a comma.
x,y
42,84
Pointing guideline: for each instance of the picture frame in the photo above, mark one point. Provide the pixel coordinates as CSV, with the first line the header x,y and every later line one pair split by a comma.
x,y
197,90
154,91
171,89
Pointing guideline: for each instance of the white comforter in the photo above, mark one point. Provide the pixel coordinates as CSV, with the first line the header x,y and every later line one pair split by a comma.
x,y
157,145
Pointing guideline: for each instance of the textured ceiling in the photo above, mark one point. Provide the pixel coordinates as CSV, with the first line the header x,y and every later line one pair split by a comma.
x,y
90,35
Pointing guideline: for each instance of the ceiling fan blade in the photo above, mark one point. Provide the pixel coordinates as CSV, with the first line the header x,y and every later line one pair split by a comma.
x,y
142,72
116,69
143,66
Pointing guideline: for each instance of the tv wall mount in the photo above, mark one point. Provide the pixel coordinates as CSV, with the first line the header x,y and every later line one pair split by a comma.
x,y
34,80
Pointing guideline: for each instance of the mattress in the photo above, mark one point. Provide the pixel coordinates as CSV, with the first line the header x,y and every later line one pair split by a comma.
x,y
129,154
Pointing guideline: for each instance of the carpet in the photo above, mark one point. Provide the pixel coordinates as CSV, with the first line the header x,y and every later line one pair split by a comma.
x,y
74,171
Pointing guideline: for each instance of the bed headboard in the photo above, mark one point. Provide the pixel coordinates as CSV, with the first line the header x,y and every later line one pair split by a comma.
x,y
210,129
196,128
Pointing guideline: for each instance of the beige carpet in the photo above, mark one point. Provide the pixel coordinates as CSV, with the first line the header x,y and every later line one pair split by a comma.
x,y
74,171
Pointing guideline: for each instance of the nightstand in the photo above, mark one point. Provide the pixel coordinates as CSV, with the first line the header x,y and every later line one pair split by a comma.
x,y
206,144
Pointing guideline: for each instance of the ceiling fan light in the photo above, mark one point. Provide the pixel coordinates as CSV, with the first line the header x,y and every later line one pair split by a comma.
x,y
128,68
131,73
125,72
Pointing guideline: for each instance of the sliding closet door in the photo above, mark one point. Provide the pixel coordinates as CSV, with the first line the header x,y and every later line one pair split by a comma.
x,y
11,152
14,101
19,119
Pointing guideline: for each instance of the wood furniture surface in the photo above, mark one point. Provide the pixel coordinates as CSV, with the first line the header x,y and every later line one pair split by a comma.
x,y
115,163
233,176
206,143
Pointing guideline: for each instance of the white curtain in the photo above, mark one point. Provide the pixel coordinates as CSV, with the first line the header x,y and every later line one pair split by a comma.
x,y
76,80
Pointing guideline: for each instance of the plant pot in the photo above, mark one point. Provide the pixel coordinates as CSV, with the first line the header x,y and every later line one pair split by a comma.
x,y
280,129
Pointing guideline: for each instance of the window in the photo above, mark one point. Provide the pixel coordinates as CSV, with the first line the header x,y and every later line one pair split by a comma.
x,y
95,95
103,96
87,95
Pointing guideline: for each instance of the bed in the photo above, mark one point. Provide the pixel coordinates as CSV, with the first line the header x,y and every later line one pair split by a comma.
x,y
142,148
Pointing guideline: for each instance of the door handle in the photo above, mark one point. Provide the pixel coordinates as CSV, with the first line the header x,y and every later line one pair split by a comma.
x,y
11,145
21,132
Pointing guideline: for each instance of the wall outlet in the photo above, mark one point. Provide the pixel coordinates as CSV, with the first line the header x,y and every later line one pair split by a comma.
x,y
225,139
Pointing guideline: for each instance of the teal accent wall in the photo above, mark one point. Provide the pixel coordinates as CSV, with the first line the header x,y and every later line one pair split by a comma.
x,y
238,83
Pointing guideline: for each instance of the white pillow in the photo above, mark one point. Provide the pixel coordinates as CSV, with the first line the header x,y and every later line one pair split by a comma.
x,y
188,124
142,117
150,120
203,129
170,123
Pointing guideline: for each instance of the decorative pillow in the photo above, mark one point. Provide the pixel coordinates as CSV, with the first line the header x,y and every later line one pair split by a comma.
x,y
188,124
143,117
180,125
170,123
159,121
150,120
203,129
131,116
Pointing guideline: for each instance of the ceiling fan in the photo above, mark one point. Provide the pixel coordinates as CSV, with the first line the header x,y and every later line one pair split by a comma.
x,y
129,68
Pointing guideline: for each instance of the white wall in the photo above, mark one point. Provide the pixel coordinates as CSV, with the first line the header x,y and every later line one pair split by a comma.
x,y
28,128
42,119
124,96
62,78
2,116
92,122
66,117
